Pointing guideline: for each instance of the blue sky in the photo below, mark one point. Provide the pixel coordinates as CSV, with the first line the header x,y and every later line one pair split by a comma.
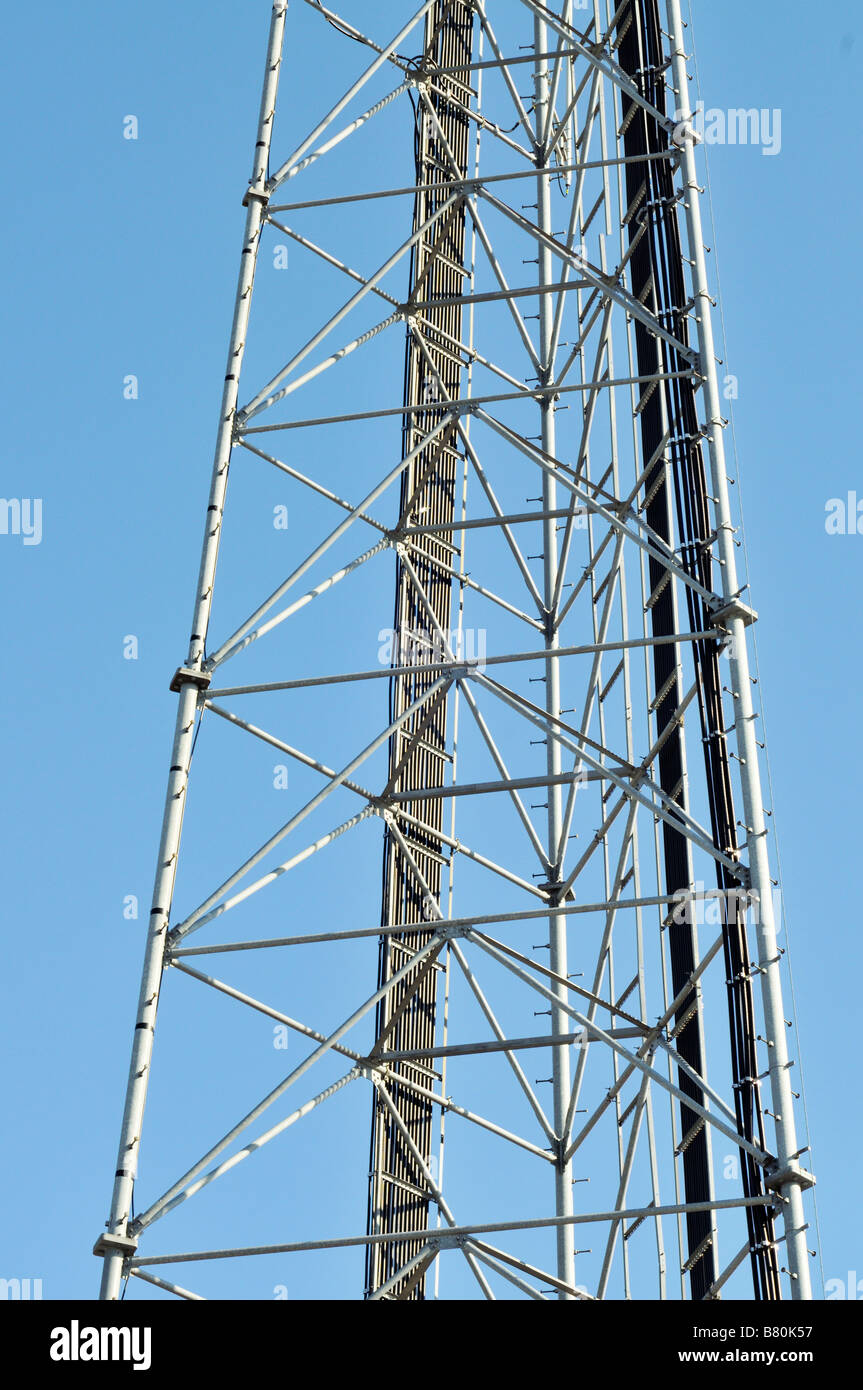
x,y
122,258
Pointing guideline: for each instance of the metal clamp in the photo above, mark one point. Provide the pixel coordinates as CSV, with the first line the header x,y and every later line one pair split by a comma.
x,y
186,675
777,1178
115,1245
735,609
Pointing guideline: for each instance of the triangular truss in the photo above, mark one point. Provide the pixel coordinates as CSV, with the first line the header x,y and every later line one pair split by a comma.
x,y
551,738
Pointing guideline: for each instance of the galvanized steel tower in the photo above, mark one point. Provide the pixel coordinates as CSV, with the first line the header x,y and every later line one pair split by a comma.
x,y
564,1001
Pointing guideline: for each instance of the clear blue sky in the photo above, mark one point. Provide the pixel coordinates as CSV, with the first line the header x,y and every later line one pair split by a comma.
x,y
121,260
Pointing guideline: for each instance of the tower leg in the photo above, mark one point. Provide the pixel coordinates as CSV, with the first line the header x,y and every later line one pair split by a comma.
x,y
188,682
790,1179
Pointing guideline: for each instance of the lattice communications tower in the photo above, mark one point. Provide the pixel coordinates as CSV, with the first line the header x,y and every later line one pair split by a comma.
x,y
511,905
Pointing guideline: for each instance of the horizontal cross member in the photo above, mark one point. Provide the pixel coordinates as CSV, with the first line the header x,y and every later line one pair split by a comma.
x,y
454,1233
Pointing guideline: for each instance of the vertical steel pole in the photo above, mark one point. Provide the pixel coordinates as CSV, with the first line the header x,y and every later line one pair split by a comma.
x,y
188,683
557,924
790,1179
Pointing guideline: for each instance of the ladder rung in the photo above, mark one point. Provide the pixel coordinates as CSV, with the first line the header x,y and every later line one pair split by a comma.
x,y
658,591
690,1136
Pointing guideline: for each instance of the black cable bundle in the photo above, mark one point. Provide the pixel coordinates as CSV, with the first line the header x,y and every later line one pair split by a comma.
x,y
657,272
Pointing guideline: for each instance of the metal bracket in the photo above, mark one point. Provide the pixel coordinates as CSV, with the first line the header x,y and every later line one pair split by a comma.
x,y
185,675
447,932
777,1177
735,609
113,1245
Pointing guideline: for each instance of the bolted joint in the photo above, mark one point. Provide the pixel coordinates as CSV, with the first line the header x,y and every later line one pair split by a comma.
x,y
463,670
554,889
170,942
115,1245
447,932
735,609
777,1178
446,1242
559,1151
186,675
259,195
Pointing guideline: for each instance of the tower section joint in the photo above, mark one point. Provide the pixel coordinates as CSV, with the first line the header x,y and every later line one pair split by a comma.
x,y
187,675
